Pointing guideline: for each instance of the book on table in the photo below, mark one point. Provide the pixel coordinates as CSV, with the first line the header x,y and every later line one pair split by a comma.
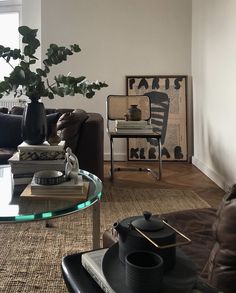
x,y
31,166
44,151
45,146
79,194
65,187
92,263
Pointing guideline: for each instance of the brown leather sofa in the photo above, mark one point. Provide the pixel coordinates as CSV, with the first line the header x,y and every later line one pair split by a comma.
x,y
213,246
83,133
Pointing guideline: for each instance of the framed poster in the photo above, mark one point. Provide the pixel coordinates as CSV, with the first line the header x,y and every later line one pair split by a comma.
x,y
168,96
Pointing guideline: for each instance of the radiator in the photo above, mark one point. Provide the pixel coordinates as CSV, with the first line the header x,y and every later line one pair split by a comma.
x,y
11,102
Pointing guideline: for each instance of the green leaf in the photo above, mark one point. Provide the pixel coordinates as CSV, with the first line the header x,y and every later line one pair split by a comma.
x,y
80,79
32,61
41,72
24,30
24,64
75,48
1,50
90,94
47,62
6,49
4,86
51,95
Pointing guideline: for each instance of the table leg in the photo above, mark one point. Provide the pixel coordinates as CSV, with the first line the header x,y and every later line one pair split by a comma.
x,y
160,160
96,225
48,223
111,150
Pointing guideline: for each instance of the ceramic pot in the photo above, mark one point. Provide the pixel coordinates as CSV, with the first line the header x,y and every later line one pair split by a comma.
x,y
134,113
34,123
144,272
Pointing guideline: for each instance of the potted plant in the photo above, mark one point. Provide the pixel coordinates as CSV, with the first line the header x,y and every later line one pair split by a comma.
x,y
34,83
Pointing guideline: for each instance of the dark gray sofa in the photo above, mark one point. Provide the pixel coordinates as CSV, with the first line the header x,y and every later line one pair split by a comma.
x,y
83,133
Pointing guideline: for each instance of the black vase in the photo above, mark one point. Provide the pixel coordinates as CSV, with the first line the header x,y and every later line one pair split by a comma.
x,y
34,123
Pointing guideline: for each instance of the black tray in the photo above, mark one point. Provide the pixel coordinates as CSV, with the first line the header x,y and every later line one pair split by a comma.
x,y
79,281
181,278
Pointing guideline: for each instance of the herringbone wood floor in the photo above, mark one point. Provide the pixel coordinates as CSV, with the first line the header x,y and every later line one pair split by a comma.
x,y
176,175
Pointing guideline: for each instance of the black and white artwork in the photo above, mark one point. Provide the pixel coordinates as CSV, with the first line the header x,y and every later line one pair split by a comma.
x,y
168,95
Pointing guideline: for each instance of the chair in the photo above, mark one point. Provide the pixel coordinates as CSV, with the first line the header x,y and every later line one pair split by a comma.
x,y
116,108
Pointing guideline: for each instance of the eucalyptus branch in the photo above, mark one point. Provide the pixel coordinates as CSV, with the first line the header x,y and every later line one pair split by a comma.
x,y
8,62
35,84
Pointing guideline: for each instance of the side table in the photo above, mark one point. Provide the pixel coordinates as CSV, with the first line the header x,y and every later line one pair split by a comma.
x,y
78,280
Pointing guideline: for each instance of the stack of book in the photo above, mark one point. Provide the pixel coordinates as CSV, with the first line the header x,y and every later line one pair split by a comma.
x,y
67,187
65,190
32,158
142,126
44,151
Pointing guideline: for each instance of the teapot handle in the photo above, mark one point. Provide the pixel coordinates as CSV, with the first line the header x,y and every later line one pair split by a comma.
x,y
187,240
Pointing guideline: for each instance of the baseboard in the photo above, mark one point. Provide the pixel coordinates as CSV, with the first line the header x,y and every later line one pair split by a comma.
x,y
212,174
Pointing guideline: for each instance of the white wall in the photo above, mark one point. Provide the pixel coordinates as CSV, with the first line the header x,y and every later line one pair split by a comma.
x,y
214,94
118,38
31,16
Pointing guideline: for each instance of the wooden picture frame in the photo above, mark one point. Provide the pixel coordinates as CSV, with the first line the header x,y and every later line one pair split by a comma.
x,y
168,95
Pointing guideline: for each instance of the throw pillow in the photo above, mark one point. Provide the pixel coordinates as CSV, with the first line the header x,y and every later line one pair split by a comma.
x,y
4,110
222,260
10,130
69,125
51,122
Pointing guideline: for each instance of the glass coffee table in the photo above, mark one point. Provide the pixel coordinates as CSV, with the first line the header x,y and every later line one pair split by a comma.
x,y
15,208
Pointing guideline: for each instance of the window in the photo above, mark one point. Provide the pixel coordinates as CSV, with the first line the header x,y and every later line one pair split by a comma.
x,y
10,15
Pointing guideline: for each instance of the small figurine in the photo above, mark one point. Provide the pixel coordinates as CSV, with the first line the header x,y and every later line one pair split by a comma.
x,y
72,166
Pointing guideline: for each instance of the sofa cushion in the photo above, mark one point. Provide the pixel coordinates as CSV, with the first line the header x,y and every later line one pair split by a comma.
x,y
4,110
69,125
222,260
10,130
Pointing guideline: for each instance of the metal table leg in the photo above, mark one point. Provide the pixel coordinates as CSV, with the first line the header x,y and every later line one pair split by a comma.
x,y
160,160
96,225
111,151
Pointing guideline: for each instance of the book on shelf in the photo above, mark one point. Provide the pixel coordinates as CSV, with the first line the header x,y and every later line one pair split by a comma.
x,y
44,151
64,187
92,263
131,124
66,195
147,130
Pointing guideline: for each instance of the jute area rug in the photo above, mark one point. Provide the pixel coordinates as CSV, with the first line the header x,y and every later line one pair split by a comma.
x,y
31,254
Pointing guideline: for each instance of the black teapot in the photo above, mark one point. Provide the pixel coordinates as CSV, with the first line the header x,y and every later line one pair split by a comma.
x,y
150,233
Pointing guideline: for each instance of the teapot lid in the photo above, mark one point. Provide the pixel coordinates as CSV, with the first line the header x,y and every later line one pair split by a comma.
x,y
148,223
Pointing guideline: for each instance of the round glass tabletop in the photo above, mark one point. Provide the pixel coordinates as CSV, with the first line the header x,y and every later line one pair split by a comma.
x,y
18,205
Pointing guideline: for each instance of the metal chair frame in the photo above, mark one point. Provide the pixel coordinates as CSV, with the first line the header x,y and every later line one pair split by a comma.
x,y
113,134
